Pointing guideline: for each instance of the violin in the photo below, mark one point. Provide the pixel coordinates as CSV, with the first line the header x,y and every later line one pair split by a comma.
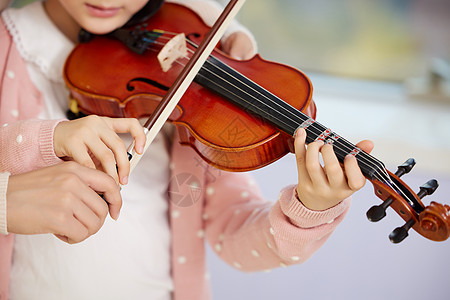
x,y
237,115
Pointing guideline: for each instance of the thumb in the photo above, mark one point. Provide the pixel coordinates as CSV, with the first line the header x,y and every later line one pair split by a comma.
x,y
365,145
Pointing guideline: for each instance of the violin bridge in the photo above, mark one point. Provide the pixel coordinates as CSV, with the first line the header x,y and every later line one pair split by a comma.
x,y
173,50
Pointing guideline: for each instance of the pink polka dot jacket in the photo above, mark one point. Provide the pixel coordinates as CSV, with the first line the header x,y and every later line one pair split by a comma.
x,y
225,209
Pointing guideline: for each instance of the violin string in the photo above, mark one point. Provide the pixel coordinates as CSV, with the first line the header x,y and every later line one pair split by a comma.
x,y
347,149
366,159
383,176
206,63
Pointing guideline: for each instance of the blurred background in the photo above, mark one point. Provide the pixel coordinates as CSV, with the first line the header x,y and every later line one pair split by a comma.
x,y
381,71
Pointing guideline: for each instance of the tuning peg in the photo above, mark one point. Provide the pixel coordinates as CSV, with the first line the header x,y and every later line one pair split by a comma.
x,y
400,233
406,167
378,212
428,188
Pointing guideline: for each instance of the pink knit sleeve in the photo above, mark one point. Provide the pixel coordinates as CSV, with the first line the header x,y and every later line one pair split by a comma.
x,y
252,234
27,145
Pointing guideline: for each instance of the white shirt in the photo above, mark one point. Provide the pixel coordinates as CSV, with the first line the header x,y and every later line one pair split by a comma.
x,y
126,259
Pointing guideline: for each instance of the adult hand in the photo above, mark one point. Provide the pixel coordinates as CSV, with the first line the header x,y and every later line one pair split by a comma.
x,y
63,200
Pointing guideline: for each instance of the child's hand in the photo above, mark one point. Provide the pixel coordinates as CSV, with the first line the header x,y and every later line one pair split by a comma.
x,y
320,188
239,46
63,200
94,139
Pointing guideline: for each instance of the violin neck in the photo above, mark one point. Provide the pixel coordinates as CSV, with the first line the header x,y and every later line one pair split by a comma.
x,y
235,87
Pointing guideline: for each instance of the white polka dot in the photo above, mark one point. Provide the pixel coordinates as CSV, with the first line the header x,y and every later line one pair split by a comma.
x,y
295,258
210,191
245,194
175,214
237,211
251,182
269,245
171,166
205,217
221,237
194,185
201,233
272,232
10,74
237,265
181,259
19,139
6,124
267,271
283,265
15,113
329,222
255,253
218,247
207,275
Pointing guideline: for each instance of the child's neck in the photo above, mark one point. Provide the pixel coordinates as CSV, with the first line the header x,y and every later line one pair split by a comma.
x,y
62,19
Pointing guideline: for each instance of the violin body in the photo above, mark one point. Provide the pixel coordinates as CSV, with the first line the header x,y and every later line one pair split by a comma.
x,y
225,136
238,115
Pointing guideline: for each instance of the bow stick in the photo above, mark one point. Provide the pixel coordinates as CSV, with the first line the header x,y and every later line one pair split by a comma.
x,y
185,78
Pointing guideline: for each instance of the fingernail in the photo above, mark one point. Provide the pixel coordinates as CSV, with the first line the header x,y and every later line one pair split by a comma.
x,y
125,180
300,132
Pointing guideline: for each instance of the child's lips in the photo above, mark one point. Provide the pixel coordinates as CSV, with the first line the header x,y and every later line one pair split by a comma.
x,y
102,12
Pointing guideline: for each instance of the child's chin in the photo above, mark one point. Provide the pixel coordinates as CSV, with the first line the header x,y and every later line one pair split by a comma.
x,y
103,27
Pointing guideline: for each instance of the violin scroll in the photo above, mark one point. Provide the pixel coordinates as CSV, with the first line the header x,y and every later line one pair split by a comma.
x,y
433,221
